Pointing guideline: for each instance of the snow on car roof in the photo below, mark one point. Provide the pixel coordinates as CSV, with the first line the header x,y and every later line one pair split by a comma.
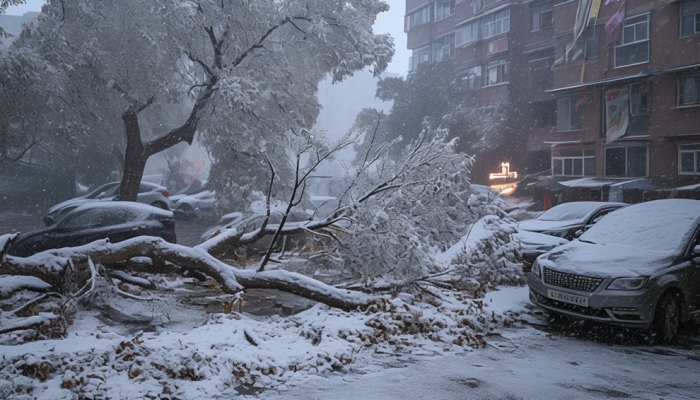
x,y
574,210
125,204
659,224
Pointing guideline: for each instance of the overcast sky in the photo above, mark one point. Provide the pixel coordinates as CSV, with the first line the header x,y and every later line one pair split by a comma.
x,y
389,22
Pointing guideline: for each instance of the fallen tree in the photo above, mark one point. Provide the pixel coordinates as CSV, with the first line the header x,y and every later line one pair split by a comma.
x,y
393,216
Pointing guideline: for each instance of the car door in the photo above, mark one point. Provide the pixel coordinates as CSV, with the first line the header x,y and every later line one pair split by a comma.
x,y
76,229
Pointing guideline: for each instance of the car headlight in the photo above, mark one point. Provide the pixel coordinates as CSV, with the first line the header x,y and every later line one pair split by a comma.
x,y
556,233
536,269
628,283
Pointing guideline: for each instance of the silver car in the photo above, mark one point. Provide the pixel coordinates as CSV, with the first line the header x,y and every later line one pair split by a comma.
x,y
569,220
638,267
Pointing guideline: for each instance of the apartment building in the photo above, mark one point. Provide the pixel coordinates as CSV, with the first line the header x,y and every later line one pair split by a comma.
x,y
627,92
605,89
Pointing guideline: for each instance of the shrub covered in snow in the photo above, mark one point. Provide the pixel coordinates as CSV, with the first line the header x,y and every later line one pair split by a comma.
x,y
493,257
419,205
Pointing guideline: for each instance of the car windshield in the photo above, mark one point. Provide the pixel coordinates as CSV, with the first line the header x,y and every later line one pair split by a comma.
x,y
566,212
108,187
658,225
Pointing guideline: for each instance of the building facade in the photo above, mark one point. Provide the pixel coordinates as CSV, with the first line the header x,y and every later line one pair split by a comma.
x,y
634,74
594,88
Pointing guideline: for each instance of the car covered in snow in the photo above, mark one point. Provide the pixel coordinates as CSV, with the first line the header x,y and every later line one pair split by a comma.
x,y
638,267
113,220
190,205
249,223
149,193
569,220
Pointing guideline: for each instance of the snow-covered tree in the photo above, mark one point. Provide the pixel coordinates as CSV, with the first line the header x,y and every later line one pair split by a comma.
x,y
247,72
3,6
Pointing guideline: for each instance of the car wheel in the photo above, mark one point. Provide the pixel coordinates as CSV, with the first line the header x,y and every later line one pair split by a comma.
x,y
160,205
667,319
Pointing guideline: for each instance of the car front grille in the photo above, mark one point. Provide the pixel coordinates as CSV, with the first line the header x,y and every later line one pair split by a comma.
x,y
571,281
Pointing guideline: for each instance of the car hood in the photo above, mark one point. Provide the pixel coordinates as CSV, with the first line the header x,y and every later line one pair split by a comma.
x,y
608,260
533,241
536,225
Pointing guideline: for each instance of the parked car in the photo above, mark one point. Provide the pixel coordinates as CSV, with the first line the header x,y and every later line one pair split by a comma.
x,y
113,220
638,267
149,193
569,220
252,222
187,206
534,244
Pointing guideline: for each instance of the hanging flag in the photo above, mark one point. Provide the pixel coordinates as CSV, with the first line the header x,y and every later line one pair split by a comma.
x,y
595,7
582,99
614,25
617,110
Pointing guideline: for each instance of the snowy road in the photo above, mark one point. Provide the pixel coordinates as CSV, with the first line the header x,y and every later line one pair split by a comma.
x,y
522,363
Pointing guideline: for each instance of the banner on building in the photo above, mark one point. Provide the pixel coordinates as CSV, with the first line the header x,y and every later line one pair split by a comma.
x,y
614,25
617,111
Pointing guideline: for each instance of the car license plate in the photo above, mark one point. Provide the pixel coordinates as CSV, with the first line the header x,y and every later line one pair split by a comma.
x,y
568,298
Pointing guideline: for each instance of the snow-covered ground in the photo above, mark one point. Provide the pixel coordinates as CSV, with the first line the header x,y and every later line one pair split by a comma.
x,y
320,354
521,362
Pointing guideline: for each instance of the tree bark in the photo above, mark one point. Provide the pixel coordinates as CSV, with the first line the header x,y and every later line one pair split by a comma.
x,y
53,269
134,157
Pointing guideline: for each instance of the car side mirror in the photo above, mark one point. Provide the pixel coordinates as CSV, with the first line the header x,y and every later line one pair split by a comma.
x,y
696,251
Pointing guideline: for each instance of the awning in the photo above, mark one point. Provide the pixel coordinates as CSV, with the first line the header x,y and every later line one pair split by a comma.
x,y
689,187
635,184
604,81
587,183
554,144
683,68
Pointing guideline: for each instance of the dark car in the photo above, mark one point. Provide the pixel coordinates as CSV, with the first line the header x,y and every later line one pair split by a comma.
x,y
149,193
569,220
114,220
638,267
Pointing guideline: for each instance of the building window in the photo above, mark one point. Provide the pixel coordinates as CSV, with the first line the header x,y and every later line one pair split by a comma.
x,y
634,48
689,90
444,8
467,33
640,106
592,45
540,65
495,23
419,57
574,163
496,72
629,161
689,159
471,78
690,17
560,43
476,6
416,18
542,14
569,117
444,48
544,114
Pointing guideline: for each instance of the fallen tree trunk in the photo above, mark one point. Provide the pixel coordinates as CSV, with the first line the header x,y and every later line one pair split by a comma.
x,y
58,266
